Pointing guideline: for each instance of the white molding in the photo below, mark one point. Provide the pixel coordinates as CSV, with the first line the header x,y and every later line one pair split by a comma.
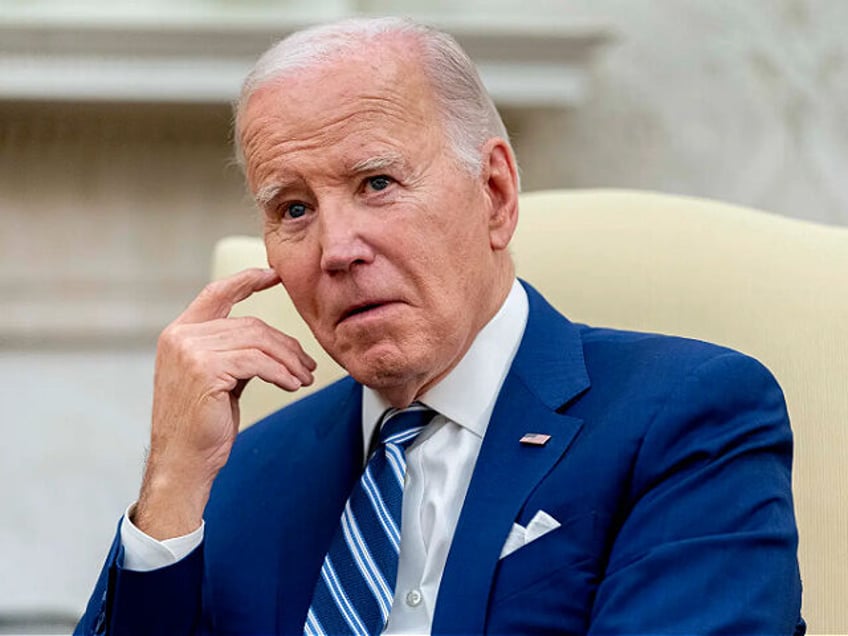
x,y
195,57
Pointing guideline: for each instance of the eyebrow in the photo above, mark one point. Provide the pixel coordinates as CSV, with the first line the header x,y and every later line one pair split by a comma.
x,y
267,193
388,160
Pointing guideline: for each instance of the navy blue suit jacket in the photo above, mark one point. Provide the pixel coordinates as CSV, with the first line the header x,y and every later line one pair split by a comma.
x,y
668,468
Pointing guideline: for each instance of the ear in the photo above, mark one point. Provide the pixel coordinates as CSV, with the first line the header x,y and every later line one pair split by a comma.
x,y
500,182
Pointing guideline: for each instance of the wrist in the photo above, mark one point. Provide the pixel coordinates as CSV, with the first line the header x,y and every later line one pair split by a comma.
x,y
170,506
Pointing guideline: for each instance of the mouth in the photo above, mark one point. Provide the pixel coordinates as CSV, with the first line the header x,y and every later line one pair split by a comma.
x,y
363,309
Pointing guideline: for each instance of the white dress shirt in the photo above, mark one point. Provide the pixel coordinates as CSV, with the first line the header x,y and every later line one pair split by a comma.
x,y
439,467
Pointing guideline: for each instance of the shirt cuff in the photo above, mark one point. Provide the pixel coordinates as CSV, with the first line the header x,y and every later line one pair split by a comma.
x,y
143,553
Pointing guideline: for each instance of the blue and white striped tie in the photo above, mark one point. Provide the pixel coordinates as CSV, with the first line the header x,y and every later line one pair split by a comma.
x,y
355,590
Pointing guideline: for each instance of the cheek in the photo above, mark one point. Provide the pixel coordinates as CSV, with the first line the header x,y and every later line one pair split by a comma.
x,y
448,269
295,269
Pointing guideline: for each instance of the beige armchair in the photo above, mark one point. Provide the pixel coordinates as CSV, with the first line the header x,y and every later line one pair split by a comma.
x,y
773,287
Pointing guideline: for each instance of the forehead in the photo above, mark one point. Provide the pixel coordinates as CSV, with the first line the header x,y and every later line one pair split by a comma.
x,y
365,103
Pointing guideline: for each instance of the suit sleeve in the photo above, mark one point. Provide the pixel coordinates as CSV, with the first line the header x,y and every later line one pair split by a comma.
x,y
709,542
163,601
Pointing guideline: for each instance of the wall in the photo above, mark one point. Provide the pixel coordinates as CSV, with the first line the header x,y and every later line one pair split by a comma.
x,y
742,101
108,219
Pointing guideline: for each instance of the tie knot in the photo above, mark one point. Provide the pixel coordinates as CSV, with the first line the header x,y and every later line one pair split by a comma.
x,y
401,426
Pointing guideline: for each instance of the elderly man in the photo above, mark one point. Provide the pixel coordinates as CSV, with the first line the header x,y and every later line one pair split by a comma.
x,y
488,467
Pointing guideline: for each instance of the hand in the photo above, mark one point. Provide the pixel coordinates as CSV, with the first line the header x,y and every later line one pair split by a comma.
x,y
203,362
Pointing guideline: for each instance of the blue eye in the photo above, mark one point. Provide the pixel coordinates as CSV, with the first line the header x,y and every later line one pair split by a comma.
x,y
380,182
295,210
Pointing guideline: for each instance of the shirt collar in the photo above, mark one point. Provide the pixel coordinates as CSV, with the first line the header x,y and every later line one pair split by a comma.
x,y
468,393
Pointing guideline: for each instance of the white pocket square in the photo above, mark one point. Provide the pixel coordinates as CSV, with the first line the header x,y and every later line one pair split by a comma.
x,y
519,536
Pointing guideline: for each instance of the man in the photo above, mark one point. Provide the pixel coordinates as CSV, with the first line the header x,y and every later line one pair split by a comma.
x,y
567,480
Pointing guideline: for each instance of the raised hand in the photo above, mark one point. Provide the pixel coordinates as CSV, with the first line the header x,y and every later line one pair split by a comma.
x,y
203,361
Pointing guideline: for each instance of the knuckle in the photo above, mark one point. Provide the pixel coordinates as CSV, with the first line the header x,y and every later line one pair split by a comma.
x,y
212,289
252,327
255,323
169,337
291,341
194,363
175,345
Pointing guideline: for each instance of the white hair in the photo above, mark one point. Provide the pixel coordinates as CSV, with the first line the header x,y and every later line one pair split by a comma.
x,y
469,115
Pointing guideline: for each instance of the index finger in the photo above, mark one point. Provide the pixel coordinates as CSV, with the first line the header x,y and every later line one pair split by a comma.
x,y
216,300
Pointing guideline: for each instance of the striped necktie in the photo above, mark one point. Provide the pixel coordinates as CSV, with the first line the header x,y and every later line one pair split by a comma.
x,y
355,589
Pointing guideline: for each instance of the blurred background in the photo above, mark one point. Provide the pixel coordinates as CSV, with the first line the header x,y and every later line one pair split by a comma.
x,y
116,178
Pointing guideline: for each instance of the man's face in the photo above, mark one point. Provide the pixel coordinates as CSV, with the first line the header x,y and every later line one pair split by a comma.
x,y
382,241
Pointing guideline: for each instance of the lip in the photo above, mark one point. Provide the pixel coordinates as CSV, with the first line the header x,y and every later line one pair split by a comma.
x,y
365,310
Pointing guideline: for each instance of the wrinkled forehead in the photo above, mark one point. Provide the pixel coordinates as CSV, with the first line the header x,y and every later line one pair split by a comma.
x,y
354,107
387,68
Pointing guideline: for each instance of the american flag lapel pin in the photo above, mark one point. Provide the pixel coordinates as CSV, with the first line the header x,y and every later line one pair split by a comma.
x,y
535,439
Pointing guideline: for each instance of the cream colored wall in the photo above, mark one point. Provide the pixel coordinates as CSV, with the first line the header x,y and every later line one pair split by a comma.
x,y
742,101
108,213
111,211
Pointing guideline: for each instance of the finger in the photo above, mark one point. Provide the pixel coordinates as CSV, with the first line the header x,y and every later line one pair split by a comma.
x,y
246,364
274,342
216,300
251,332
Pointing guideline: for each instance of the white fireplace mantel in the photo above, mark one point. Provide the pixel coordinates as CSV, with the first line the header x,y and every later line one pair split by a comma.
x,y
201,55
111,250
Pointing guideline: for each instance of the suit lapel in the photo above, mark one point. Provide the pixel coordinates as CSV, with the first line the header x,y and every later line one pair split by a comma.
x,y
548,372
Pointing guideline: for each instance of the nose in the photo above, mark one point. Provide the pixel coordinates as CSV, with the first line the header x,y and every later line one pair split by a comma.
x,y
343,243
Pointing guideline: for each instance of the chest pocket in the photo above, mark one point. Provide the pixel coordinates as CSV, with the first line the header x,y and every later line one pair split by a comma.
x,y
571,552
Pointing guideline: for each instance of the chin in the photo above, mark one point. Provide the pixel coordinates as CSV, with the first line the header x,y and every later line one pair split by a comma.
x,y
382,367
